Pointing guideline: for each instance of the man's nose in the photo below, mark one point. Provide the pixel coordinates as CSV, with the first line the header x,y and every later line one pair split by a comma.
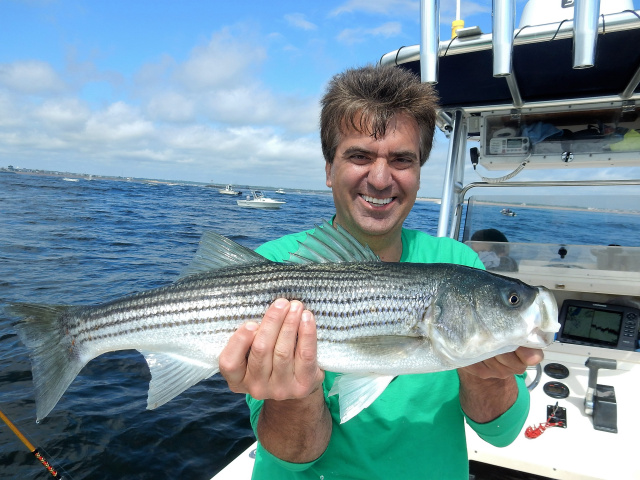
x,y
380,174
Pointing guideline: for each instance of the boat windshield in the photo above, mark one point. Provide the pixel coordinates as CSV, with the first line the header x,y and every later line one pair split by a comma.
x,y
582,232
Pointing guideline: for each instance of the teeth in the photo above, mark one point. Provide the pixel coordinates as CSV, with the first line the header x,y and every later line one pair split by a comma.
x,y
377,201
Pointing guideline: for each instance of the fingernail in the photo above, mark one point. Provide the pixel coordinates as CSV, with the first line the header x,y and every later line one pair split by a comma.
x,y
281,302
295,306
307,316
251,326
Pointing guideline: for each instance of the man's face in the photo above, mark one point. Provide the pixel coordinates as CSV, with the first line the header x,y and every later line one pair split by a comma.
x,y
375,181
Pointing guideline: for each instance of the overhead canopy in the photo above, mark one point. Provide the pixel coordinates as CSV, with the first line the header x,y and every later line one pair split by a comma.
x,y
543,70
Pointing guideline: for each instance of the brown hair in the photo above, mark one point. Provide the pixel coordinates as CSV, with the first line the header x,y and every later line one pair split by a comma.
x,y
367,98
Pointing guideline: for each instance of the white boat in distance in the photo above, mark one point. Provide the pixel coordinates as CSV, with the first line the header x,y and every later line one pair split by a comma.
x,y
229,191
281,191
260,201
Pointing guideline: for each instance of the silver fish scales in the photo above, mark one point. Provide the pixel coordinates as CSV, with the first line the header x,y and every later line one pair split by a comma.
x,y
372,317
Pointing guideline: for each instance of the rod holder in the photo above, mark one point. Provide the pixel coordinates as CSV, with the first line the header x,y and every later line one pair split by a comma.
x,y
585,32
429,40
504,22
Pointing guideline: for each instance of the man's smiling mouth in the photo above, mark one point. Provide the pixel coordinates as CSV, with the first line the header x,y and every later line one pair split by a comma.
x,y
377,201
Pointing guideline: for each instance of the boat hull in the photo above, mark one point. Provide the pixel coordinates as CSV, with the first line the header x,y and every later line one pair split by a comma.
x,y
258,204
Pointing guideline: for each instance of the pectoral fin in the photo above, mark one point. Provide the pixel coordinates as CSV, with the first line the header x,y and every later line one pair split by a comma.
x,y
172,374
358,391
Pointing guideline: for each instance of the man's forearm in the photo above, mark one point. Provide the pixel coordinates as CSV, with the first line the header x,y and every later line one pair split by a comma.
x,y
484,400
296,431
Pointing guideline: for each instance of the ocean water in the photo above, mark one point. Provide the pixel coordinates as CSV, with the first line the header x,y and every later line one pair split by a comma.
x,y
92,241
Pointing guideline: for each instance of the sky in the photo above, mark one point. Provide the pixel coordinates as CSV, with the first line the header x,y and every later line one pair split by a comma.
x,y
196,90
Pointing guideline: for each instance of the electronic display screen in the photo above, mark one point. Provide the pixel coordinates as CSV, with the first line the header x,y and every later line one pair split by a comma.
x,y
598,327
514,143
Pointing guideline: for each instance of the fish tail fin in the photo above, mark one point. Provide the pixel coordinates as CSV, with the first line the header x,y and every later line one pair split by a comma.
x,y
54,358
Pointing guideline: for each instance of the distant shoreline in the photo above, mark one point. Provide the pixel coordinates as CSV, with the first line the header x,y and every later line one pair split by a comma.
x,y
44,173
556,207
511,205
153,181
428,199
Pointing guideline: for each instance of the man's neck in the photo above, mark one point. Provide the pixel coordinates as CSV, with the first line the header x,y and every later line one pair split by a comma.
x,y
389,250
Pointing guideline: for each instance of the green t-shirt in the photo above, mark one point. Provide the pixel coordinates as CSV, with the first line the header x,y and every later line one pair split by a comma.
x,y
415,429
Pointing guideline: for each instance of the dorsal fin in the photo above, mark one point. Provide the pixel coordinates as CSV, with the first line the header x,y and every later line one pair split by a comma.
x,y
329,244
216,251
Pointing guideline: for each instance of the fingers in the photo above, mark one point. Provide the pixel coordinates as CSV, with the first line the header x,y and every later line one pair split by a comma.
x,y
276,359
261,357
530,356
506,364
285,345
295,372
307,372
233,359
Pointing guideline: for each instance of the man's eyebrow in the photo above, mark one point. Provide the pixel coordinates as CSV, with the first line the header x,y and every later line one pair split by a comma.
x,y
400,153
405,153
356,149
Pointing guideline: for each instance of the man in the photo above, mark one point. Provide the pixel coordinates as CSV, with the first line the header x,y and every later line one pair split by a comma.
x,y
377,126
492,248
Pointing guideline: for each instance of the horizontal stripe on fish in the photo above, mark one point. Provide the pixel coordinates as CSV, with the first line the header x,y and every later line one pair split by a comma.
x,y
198,302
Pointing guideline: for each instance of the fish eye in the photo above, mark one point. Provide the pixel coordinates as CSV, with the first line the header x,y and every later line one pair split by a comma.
x,y
513,299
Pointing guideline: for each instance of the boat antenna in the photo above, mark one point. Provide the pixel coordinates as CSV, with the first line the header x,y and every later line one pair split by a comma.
x,y
30,446
457,24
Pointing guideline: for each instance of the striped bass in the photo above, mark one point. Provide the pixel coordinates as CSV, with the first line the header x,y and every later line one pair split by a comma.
x,y
374,319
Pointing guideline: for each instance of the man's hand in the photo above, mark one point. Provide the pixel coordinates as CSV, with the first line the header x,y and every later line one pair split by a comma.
x,y
488,388
276,361
506,364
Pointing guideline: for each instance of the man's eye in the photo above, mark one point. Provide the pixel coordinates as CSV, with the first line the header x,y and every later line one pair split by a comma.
x,y
403,161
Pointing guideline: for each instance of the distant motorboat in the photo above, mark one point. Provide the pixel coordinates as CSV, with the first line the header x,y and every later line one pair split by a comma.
x,y
508,212
67,179
229,191
281,191
260,201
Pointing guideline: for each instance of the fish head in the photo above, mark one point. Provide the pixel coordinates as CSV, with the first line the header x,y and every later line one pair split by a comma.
x,y
481,314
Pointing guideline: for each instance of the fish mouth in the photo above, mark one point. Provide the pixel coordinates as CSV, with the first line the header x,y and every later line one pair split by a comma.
x,y
377,202
547,322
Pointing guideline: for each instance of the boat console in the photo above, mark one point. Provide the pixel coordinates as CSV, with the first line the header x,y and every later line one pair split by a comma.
x,y
584,396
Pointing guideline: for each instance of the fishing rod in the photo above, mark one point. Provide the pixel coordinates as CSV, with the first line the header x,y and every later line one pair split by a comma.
x,y
29,445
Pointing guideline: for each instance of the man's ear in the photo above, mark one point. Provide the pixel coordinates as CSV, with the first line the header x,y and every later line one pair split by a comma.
x,y
327,169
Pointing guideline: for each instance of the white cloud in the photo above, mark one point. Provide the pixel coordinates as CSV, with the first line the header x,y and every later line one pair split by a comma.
x,y
383,7
119,122
171,106
358,35
31,77
11,111
63,113
299,20
255,105
220,63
